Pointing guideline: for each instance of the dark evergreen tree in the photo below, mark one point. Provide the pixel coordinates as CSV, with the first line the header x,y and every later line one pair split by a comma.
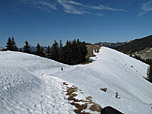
x,y
55,51
83,51
149,73
74,52
67,53
9,44
20,50
27,47
42,52
61,52
148,61
38,50
48,52
14,47
79,51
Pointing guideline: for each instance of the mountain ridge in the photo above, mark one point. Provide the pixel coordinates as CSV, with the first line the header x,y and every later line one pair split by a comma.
x,y
41,79
111,44
136,45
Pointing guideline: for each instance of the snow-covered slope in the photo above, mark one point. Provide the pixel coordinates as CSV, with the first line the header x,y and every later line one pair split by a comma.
x,y
24,90
31,84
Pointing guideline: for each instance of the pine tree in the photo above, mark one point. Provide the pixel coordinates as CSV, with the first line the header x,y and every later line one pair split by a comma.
x,y
74,52
9,44
14,47
48,52
83,51
61,52
149,73
20,50
38,49
68,53
55,51
42,52
27,47
74,55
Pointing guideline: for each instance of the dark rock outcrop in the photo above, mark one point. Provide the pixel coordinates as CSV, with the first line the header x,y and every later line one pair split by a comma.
x,y
110,110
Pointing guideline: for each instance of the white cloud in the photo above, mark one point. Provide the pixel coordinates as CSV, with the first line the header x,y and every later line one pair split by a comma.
x,y
146,7
51,6
102,7
73,7
75,3
69,6
40,4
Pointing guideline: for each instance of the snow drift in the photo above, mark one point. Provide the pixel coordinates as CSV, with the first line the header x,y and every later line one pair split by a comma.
x,y
31,84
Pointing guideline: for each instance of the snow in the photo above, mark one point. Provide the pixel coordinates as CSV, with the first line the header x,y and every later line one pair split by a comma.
x,y
33,85
149,50
24,90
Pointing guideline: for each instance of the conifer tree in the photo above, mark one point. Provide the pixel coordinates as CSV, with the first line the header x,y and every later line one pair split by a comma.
x,y
61,46
83,51
27,47
55,51
9,44
14,47
42,52
20,50
38,49
48,52
61,52
149,73
68,53
74,52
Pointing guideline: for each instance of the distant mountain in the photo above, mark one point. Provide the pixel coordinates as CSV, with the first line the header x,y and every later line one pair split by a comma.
x,y
111,45
136,45
138,48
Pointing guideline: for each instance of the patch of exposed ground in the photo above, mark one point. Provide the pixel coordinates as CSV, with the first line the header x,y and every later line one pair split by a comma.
x,y
144,54
91,49
83,105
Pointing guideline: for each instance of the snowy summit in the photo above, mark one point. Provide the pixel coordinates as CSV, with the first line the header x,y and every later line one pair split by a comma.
x,y
34,85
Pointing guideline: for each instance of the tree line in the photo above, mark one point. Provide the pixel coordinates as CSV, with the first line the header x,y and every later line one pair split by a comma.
x,y
74,52
147,61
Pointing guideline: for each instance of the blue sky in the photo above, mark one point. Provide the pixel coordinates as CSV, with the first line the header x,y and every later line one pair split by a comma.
x,y
92,21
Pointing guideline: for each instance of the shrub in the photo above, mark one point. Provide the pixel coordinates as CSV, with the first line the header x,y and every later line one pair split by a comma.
x,y
95,107
149,73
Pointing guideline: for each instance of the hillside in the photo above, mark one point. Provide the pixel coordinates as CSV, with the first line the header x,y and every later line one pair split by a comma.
x,y
136,45
110,44
144,54
31,84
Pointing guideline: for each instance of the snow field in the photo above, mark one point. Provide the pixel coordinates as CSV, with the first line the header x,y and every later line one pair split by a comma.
x,y
33,85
